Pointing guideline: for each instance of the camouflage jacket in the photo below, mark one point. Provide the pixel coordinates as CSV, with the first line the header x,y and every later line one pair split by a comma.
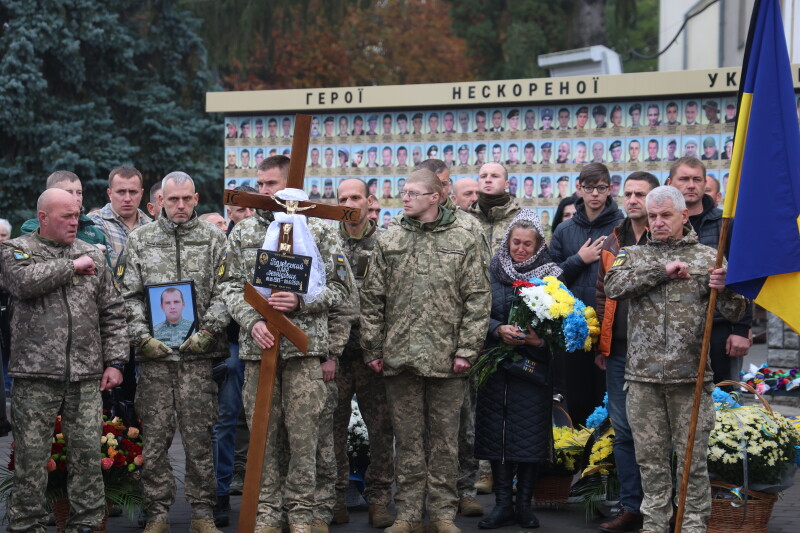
x,y
244,241
425,299
64,326
344,319
496,222
667,316
165,252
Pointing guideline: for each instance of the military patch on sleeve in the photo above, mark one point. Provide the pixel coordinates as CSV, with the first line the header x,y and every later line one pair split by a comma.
x,y
341,273
21,255
120,270
339,258
621,259
221,269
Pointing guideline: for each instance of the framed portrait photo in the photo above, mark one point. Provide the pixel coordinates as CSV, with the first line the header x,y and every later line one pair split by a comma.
x,y
172,313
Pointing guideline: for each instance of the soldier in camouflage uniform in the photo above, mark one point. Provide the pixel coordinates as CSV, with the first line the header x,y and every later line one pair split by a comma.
x,y
68,341
468,504
299,394
425,307
178,246
325,493
495,208
354,377
667,281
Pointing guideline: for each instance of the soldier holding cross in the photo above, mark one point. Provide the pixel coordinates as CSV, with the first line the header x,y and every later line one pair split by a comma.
x,y
299,392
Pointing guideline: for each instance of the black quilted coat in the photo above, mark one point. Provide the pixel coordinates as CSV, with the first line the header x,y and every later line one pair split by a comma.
x,y
513,418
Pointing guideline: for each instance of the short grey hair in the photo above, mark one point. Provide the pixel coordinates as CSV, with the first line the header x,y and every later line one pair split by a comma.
x,y
178,177
5,224
666,192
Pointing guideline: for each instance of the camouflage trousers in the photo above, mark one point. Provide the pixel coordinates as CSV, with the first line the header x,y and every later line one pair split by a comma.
x,y
35,403
467,464
659,416
409,396
298,400
186,389
354,377
325,494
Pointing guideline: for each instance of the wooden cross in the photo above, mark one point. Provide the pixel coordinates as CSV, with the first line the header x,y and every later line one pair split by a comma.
x,y
277,322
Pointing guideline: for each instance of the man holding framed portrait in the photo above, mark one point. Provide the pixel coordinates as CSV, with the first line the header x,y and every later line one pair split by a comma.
x,y
168,278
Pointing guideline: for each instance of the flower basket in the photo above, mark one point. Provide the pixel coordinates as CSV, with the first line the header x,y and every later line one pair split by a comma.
x,y
756,435
552,490
730,515
762,441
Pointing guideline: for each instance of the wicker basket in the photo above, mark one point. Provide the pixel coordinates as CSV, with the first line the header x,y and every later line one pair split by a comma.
x,y
61,514
552,490
725,518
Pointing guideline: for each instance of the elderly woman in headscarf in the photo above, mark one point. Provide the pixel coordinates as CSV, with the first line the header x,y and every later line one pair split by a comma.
x,y
513,420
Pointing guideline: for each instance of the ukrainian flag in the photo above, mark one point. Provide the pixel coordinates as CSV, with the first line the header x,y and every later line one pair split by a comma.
x,y
763,192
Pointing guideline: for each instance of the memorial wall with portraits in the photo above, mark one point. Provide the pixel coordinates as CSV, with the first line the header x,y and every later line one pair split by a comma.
x,y
542,146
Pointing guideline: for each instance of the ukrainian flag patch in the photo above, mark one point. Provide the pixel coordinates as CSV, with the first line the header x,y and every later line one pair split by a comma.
x,y
21,255
621,259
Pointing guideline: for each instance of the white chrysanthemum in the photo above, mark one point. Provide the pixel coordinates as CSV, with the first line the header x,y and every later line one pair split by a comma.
x,y
537,301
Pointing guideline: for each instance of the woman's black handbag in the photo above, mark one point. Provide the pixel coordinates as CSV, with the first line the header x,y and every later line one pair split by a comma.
x,y
529,369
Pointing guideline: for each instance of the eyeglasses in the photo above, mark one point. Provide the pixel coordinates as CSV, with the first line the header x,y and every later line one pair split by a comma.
x,y
588,189
414,195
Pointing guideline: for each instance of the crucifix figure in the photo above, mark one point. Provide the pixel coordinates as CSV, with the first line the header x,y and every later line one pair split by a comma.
x,y
283,389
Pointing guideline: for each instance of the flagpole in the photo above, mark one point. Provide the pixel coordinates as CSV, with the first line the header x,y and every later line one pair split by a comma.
x,y
731,194
698,386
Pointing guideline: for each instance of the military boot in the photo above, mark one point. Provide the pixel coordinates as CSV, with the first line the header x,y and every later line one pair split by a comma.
x,y
157,527
443,526
379,515
340,514
484,484
203,525
469,506
299,528
318,526
268,529
221,510
404,526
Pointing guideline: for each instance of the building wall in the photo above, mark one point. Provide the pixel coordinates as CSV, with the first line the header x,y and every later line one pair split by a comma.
x,y
716,38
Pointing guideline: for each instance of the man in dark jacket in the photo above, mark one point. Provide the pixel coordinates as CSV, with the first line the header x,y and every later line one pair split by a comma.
x,y
730,341
576,247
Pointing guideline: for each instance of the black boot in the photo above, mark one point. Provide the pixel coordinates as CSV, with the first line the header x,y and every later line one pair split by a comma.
x,y
503,513
221,510
526,477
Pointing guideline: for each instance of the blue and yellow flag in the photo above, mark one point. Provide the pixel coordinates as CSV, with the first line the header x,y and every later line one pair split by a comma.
x,y
763,192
